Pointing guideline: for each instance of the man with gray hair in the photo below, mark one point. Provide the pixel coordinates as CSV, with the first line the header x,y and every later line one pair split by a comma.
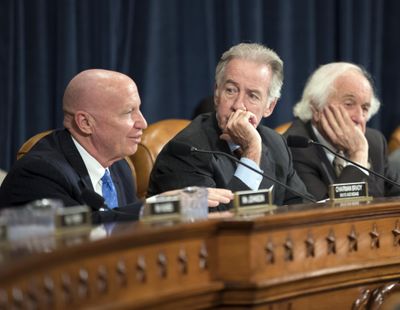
x,y
248,81
336,104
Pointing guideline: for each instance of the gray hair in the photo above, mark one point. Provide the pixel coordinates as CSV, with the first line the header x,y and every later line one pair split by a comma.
x,y
260,54
320,86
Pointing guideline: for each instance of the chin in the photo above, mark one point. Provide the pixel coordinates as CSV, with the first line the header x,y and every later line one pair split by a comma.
x,y
132,150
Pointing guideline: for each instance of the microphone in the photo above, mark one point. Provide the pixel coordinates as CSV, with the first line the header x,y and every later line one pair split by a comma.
x,y
185,149
303,142
299,141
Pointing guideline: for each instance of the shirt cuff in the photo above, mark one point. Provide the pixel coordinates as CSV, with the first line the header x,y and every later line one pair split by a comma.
x,y
247,176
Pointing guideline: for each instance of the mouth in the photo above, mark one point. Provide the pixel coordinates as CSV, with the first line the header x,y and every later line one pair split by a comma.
x,y
136,139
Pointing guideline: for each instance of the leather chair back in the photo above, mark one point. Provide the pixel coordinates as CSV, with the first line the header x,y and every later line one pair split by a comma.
x,y
26,147
283,127
394,140
153,140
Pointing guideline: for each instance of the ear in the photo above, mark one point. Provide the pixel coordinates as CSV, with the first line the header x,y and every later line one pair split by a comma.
x,y
84,121
270,107
216,96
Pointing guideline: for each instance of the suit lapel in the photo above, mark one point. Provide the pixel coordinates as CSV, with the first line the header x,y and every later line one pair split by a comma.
x,y
268,165
225,165
74,158
326,166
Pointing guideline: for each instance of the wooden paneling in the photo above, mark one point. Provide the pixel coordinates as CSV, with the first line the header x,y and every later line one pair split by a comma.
x,y
301,257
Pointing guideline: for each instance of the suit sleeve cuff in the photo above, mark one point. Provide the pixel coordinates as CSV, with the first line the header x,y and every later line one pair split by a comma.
x,y
359,168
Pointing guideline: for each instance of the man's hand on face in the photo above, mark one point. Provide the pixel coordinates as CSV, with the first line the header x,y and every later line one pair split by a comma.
x,y
241,129
343,133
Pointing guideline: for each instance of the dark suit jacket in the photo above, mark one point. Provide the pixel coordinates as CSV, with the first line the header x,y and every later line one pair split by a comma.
x,y
172,170
53,168
317,172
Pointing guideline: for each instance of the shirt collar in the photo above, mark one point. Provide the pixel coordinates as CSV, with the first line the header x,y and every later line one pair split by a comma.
x,y
94,168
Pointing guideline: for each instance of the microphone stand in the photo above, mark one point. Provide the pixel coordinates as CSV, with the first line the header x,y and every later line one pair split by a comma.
x,y
354,163
196,150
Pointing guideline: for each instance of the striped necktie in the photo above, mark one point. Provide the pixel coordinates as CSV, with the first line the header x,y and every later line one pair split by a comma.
x,y
338,164
108,189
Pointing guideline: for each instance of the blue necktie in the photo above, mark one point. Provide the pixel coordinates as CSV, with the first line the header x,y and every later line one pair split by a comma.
x,y
108,189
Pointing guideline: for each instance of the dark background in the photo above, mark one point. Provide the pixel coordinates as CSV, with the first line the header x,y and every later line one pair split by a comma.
x,y
171,47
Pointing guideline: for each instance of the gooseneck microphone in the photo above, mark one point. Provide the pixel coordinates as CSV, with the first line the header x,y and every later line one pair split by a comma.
x,y
303,142
185,149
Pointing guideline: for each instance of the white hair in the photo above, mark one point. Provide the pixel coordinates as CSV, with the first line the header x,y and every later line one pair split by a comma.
x,y
260,54
321,85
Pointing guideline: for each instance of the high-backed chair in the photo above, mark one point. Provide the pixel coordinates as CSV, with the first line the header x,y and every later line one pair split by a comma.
x,y
283,127
394,140
153,140
26,147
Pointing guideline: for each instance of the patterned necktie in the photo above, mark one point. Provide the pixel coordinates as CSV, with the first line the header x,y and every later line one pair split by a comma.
x,y
338,164
108,189
238,153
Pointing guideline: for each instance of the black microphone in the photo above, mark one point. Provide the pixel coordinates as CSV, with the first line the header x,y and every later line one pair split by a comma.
x,y
302,142
185,149
298,141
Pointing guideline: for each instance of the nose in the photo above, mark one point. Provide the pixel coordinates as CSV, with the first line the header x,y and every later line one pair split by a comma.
x,y
358,116
141,122
239,103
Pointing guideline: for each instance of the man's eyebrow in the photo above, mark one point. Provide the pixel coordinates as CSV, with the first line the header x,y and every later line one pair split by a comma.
x,y
348,96
231,81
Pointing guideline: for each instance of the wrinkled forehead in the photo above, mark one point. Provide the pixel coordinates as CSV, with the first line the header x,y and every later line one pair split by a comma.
x,y
353,82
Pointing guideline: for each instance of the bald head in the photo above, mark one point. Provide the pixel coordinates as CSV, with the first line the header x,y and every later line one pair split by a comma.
x,y
91,89
102,112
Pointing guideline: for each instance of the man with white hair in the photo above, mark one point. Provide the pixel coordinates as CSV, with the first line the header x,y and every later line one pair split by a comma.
x,y
336,104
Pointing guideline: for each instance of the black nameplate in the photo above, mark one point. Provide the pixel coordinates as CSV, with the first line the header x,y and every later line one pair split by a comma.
x,y
73,217
253,201
357,191
163,208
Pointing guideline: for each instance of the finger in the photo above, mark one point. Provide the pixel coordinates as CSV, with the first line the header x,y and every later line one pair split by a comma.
x,y
242,118
345,117
213,203
220,194
172,192
341,117
212,191
326,125
226,137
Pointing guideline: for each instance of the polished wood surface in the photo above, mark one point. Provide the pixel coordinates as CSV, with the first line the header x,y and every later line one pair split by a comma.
x,y
300,257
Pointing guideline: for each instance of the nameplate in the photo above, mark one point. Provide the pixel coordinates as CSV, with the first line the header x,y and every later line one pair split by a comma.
x,y
163,208
247,202
357,191
75,216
